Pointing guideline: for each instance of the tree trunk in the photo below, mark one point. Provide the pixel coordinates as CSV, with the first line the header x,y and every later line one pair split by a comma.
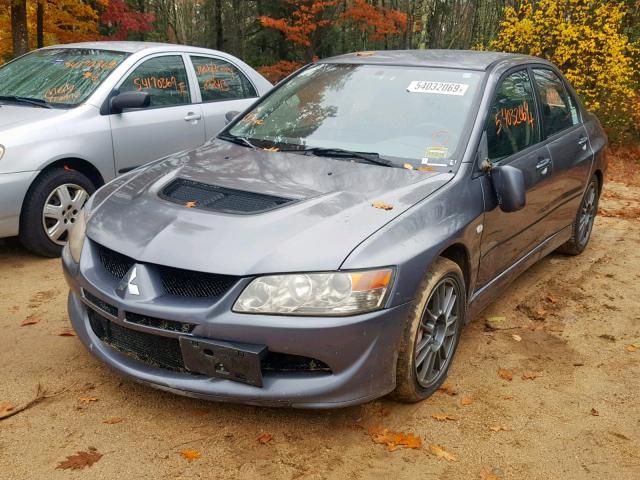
x,y
217,15
40,23
19,30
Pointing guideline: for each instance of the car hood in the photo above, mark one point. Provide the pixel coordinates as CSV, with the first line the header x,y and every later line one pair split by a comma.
x,y
15,115
332,215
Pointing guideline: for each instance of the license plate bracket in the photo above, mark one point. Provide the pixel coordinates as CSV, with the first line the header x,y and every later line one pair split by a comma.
x,y
240,362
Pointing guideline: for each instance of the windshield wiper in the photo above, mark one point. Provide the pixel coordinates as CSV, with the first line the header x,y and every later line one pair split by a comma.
x,y
31,101
244,141
369,157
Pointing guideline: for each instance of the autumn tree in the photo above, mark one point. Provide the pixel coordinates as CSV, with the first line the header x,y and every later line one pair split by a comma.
x,y
585,39
119,20
19,29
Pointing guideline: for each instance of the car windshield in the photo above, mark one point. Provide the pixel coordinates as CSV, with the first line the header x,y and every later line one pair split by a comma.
x,y
59,77
415,115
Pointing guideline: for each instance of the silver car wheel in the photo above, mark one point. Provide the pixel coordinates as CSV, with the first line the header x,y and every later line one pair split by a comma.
x,y
61,210
587,214
436,338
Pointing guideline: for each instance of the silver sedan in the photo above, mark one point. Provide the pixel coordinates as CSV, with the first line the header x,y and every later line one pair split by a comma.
x,y
75,116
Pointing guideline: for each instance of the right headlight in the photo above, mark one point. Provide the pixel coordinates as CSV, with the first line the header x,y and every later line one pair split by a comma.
x,y
77,235
316,294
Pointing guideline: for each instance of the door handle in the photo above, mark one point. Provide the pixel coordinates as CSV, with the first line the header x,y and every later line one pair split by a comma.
x,y
543,165
582,141
192,117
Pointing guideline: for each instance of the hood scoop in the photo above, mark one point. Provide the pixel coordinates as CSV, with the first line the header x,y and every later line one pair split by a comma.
x,y
214,198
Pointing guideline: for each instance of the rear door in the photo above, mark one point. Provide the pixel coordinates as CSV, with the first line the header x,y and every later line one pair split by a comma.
x,y
171,123
567,139
513,138
222,88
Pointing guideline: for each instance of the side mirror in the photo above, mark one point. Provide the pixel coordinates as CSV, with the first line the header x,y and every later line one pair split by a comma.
x,y
229,116
508,183
129,100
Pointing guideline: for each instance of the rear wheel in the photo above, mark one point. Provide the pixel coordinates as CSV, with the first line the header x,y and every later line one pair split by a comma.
x,y
583,222
432,333
51,208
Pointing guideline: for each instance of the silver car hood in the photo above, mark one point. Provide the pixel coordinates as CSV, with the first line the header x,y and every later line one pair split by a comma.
x,y
332,216
16,115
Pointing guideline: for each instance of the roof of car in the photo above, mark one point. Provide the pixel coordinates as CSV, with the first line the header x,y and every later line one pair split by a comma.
x,y
468,59
129,47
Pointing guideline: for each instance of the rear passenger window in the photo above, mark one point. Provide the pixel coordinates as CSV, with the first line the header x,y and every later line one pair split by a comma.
x,y
165,78
513,121
558,108
220,80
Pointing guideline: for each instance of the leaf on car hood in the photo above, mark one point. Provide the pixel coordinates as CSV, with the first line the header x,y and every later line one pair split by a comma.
x,y
382,205
191,204
80,460
394,440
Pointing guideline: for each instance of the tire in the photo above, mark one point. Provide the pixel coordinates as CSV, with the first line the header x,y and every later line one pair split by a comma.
x,y
46,190
409,387
581,231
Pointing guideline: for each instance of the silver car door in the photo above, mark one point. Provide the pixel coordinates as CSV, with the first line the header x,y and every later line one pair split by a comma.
x,y
170,124
223,87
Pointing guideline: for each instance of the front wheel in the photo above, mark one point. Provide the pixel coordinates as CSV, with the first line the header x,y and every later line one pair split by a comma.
x,y
432,333
50,209
583,222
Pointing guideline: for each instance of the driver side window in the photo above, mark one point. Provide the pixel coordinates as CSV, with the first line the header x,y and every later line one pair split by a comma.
x,y
513,120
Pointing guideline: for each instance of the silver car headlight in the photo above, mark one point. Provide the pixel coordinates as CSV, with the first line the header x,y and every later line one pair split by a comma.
x,y
316,294
77,235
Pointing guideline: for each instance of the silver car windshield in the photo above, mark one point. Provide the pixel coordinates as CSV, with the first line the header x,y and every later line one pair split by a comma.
x,y
404,114
62,77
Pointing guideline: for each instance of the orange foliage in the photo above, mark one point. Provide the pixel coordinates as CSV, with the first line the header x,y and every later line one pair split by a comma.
x,y
305,19
378,21
276,72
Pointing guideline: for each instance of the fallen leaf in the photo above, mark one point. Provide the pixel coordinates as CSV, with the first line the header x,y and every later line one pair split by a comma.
x,y
487,475
408,166
426,168
191,204
271,149
440,452
508,397
383,411
365,54
442,417
466,401
498,428
595,412
633,347
517,338
394,440
529,375
6,408
67,332
382,205
265,438
551,299
113,420
88,399
80,460
190,455
30,320
448,389
505,374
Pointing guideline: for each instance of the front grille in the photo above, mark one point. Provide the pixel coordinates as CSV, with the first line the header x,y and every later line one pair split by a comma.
x,y
151,349
101,304
187,283
169,325
115,263
220,199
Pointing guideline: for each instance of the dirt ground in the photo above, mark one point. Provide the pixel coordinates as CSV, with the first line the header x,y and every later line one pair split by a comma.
x,y
570,322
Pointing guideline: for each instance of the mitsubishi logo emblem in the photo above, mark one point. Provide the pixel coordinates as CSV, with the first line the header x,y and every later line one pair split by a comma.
x,y
128,283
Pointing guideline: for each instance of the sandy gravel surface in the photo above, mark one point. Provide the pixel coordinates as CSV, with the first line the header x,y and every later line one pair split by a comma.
x,y
568,322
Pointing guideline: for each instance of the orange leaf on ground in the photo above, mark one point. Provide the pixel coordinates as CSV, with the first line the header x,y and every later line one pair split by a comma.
x,y
505,374
394,440
382,205
551,299
529,375
190,455
6,408
265,438
30,320
448,389
80,460
633,347
595,412
67,332
466,401
487,475
517,338
442,417
113,420
88,399
440,452
498,428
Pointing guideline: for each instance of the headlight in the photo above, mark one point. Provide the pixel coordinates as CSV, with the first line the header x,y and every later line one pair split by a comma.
x,y
337,293
77,236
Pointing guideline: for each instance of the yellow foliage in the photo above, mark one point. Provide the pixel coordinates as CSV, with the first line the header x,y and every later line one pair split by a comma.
x,y
585,39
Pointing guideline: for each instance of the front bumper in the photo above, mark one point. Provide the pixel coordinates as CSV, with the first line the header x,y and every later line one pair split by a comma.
x,y
13,188
361,350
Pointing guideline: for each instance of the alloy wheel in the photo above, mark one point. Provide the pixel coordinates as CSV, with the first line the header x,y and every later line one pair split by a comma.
x,y
587,214
436,337
61,210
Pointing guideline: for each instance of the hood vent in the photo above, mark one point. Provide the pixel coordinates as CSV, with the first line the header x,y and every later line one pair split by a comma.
x,y
220,199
